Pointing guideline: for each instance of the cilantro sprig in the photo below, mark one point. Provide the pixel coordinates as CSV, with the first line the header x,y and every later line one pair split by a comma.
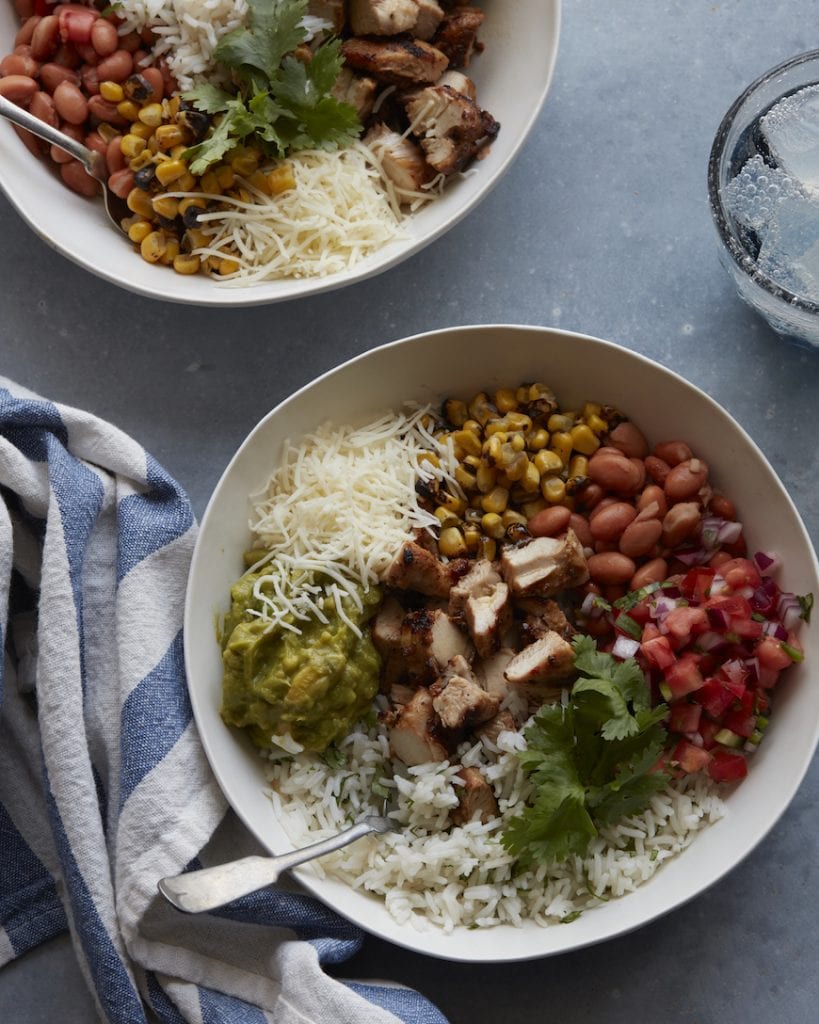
x,y
280,103
592,761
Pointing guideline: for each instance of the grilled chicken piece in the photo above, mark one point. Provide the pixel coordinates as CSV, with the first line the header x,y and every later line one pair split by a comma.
x,y
329,10
540,616
459,82
415,646
481,600
461,703
414,732
476,799
545,566
420,18
401,61
451,126
357,90
490,673
457,35
416,568
401,159
504,721
548,660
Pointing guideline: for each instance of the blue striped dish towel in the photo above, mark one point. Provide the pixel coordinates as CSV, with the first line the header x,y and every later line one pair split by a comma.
x,y
104,787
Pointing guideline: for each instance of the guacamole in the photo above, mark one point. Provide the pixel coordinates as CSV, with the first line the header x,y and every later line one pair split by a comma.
x,y
313,685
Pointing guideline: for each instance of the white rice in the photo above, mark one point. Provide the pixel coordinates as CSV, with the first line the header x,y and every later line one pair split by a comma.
x,y
430,875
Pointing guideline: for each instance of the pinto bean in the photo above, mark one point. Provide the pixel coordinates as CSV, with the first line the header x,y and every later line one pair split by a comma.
x,y
113,155
104,37
68,56
629,439
71,104
105,111
78,180
580,525
673,452
96,142
154,78
614,472
590,496
116,67
657,468
640,537
654,571
680,522
26,30
31,142
45,38
18,88
549,522
88,54
52,74
640,468
653,495
121,182
685,479
611,520
90,80
42,106
610,568
721,506
131,42
19,64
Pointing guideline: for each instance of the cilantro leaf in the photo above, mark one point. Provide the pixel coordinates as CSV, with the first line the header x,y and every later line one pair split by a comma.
x,y
274,29
592,762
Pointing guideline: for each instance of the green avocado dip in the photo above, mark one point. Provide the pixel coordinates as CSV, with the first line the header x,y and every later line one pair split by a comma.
x,y
313,685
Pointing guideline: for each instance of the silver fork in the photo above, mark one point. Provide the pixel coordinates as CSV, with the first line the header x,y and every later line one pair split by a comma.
x,y
209,888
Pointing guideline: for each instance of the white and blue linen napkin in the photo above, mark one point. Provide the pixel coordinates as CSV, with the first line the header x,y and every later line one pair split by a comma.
x,y
104,787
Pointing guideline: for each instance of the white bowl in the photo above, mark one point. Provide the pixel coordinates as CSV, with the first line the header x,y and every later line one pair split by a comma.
x,y
513,75
461,361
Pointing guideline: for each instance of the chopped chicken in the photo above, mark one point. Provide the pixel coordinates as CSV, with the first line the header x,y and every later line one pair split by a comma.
x,y
450,126
416,568
457,35
458,666
401,693
420,18
329,10
540,616
399,61
414,733
357,90
504,721
461,703
548,660
545,566
491,673
402,161
481,600
476,799
459,82
417,645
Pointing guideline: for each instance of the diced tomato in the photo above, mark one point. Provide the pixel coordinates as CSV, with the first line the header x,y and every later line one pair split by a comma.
x,y
696,584
684,675
724,609
739,573
641,612
684,622
742,718
748,629
708,730
735,676
650,630
727,766
715,697
771,654
657,652
684,717
690,757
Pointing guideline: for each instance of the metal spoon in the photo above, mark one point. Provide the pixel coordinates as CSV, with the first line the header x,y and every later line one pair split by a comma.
x,y
197,891
92,161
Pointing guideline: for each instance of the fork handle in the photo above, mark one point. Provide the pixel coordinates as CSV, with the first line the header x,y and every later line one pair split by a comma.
x,y
208,888
23,119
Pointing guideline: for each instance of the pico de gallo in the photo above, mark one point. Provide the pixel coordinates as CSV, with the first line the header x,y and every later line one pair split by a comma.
x,y
712,643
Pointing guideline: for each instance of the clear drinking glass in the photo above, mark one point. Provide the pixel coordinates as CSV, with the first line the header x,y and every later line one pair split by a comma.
x,y
784,304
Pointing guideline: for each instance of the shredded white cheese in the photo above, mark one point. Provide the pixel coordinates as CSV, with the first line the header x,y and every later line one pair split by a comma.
x,y
338,508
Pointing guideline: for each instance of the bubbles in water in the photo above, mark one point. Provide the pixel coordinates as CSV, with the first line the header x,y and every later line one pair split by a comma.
x,y
752,196
791,130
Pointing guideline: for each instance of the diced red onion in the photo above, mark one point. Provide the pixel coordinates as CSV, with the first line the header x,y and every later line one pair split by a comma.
x,y
711,641
775,629
767,562
698,557
789,610
718,618
625,647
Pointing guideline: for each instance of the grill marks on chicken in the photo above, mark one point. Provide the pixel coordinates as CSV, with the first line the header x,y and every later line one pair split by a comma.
x,y
431,123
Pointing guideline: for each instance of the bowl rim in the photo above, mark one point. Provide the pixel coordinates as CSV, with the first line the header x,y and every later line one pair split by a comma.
x,y
644,909
721,219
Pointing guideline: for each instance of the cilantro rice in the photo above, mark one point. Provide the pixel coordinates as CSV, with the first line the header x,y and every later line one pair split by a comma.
x,y
430,875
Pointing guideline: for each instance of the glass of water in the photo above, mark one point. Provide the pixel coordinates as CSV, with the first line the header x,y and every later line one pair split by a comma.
x,y
763,188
